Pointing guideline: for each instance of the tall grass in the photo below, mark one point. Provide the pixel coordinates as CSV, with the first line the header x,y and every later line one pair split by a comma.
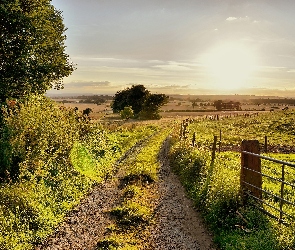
x,y
215,187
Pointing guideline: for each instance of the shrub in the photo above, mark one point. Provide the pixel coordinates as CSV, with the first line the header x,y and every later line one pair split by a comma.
x,y
36,138
126,113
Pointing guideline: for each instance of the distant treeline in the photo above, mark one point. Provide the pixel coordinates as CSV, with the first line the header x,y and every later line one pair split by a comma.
x,y
96,99
273,101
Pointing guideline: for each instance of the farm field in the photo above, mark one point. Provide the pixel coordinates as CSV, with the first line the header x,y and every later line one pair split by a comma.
x,y
173,109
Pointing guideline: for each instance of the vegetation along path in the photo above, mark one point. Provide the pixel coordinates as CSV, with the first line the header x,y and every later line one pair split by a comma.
x,y
176,224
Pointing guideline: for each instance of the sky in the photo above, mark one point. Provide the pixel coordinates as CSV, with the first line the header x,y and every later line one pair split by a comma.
x,y
180,46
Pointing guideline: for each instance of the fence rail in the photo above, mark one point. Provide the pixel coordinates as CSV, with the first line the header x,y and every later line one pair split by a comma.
x,y
251,181
251,174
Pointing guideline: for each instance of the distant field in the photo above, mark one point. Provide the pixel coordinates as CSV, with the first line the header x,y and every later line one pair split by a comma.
x,y
173,109
98,111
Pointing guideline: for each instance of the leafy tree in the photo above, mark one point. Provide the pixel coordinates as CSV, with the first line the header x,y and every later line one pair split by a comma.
x,y
218,105
152,105
126,113
134,97
120,100
144,104
32,49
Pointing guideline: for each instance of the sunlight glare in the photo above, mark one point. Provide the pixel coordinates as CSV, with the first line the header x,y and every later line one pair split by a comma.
x,y
230,66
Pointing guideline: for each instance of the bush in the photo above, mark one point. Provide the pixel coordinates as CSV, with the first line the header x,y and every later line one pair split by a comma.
x,y
36,138
126,113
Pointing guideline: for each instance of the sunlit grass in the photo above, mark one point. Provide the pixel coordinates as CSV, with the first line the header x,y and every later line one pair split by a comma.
x,y
215,187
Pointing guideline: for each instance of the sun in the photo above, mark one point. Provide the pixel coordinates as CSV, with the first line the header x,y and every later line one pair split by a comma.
x,y
230,66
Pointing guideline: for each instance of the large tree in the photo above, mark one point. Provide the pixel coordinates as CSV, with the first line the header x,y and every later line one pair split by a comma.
x,y
32,48
134,97
143,103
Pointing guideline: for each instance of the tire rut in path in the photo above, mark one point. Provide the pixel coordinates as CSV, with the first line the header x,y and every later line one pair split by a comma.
x,y
85,224
178,224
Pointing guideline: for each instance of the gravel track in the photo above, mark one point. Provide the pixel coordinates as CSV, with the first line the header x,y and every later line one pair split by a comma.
x,y
178,225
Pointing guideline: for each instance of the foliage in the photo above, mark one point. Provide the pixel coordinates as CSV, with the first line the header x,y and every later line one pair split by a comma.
x,y
96,155
87,111
143,103
218,105
96,99
50,158
152,105
32,49
36,138
38,183
134,97
126,113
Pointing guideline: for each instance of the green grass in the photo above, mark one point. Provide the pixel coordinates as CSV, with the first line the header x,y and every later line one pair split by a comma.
x,y
134,215
278,126
215,187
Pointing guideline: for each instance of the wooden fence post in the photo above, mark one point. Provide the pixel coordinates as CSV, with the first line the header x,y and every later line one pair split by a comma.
x,y
194,139
251,168
214,148
265,144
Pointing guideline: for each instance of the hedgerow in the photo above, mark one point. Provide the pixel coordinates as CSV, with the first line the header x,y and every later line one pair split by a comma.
x,y
50,158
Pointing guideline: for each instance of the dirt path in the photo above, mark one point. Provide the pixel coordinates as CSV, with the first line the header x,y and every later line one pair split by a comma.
x,y
85,224
178,225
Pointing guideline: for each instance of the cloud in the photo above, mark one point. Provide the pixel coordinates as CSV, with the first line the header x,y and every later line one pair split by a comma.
x,y
174,66
83,84
174,86
231,18
241,19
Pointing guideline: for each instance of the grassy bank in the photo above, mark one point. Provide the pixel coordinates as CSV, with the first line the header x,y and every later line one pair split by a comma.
x,y
215,186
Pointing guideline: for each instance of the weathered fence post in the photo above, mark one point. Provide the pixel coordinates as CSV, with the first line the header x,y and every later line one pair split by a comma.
x,y
214,148
265,144
194,139
251,178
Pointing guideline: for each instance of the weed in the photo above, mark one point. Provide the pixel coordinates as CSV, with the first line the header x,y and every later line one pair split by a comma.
x,y
131,191
131,215
108,244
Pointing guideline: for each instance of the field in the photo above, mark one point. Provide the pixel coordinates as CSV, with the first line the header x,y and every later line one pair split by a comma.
x,y
64,156
173,109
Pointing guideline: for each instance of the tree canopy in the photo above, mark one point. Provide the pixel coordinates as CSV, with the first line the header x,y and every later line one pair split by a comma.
x,y
32,48
144,104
